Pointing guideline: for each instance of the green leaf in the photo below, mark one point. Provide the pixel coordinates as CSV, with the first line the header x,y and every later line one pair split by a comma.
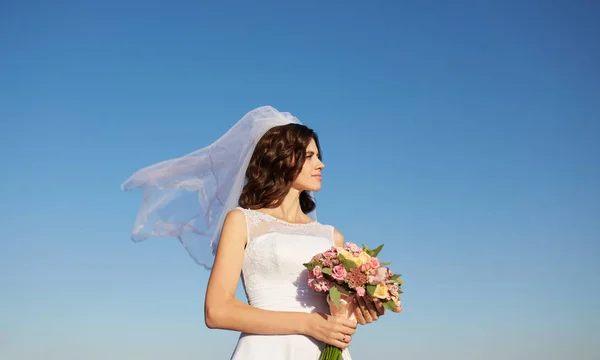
x,y
376,250
309,266
384,263
335,295
396,278
327,271
371,289
390,304
348,264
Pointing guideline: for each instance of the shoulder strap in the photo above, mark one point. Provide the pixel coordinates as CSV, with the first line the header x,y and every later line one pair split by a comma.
x,y
253,222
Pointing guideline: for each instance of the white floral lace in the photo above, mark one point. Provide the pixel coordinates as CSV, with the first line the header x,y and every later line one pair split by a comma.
x,y
275,252
260,224
275,279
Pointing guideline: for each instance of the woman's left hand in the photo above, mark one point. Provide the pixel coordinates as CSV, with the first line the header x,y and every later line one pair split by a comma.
x,y
368,309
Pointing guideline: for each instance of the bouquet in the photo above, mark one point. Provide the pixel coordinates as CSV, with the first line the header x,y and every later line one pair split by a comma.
x,y
344,272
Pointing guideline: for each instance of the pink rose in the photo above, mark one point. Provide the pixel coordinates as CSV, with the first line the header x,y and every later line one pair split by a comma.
x,y
325,284
353,248
360,291
317,272
314,285
382,274
331,252
318,286
339,272
374,263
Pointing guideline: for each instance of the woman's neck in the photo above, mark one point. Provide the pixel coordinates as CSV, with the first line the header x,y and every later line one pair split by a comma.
x,y
290,210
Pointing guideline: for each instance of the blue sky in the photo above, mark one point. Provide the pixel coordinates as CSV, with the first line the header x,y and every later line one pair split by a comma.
x,y
465,135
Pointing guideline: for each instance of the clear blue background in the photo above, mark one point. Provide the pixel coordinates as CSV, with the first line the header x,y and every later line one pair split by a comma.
x,y
463,134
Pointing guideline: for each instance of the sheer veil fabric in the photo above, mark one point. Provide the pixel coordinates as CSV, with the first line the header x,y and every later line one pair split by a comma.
x,y
188,197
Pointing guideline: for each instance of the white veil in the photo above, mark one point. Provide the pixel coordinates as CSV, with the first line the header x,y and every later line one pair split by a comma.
x,y
189,197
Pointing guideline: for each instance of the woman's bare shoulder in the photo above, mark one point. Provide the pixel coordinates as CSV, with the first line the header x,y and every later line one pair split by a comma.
x,y
338,237
236,215
235,224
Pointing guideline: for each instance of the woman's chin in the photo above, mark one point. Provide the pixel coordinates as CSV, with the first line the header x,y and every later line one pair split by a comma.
x,y
314,188
309,187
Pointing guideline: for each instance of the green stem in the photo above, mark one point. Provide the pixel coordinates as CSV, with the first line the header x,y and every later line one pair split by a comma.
x,y
331,353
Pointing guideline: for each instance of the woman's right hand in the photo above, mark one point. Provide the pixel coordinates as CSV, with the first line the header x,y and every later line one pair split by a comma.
x,y
332,330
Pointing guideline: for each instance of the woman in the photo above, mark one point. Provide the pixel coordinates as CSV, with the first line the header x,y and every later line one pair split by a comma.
x,y
266,165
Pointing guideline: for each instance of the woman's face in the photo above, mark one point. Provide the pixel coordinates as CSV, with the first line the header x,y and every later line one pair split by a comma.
x,y
310,177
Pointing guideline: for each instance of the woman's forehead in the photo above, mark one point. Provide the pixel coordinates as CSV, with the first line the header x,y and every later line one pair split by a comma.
x,y
312,145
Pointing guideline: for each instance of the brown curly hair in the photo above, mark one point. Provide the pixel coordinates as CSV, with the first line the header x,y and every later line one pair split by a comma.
x,y
276,162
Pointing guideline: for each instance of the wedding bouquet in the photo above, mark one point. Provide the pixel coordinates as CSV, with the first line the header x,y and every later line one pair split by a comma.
x,y
344,272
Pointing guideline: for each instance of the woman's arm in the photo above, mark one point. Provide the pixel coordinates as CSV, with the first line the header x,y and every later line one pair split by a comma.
x,y
223,311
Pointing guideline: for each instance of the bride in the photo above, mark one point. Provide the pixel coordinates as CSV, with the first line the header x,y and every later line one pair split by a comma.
x,y
244,206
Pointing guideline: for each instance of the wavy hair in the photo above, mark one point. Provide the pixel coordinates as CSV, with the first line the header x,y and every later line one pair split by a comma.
x,y
275,163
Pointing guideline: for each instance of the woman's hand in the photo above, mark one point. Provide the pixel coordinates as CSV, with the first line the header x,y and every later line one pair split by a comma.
x,y
368,309
333,330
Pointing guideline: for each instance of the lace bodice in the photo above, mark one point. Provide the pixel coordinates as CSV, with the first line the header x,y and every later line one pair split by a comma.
x,y
272,272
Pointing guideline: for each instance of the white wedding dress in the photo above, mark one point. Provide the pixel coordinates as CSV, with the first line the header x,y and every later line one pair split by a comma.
x,y
275,279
